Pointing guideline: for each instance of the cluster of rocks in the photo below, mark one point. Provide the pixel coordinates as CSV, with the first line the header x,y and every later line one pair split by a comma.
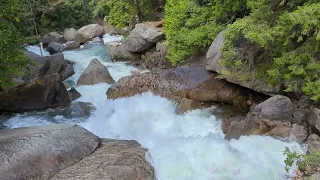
x,y
41,87
144,46
69,152
71,38
196,86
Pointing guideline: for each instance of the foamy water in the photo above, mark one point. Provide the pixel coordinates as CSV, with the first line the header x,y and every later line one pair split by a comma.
x,y
180,147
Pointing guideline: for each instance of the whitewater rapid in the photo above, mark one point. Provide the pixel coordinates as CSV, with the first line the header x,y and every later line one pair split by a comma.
x,y
190,146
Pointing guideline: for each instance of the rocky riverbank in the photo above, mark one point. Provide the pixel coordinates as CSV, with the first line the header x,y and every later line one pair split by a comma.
x,y
71,152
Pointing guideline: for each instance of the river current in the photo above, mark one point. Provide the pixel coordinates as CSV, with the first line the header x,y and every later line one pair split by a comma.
x,y
190,146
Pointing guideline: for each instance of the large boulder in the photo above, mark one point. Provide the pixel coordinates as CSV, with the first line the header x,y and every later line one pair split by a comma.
x,y
143,37
40,152
114,159
271,117
118,52
186,82
52,37
214,57
36,94
92,30
70,34
95,73
82,38
70,45
54,48
39,68
48,65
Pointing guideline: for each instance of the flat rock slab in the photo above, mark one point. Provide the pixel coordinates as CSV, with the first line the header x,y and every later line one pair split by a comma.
x,y
40,152
113,160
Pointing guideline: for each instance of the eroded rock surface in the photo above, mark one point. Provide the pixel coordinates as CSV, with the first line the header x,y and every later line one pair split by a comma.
x,y
113,160
40,152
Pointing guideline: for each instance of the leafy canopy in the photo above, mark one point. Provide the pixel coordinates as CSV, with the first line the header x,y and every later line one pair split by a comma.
x,y
12,60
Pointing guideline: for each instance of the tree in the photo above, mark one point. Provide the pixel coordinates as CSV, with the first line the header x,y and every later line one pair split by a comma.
x,y
12,60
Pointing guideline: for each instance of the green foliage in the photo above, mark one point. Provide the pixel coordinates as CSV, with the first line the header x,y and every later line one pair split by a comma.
x,y
122,13
11,54
190,26
288,33
33,40
290,159
55,15
306,162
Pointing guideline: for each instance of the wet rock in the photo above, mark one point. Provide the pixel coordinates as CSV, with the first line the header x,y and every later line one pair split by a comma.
x,y
95,73
313,119
187,105
79,111
186,82
272,117
143,37
70,34
54,48
108,28
74,94
92,30
66,71
114,159
246,50
66,84
36,94
313,142
40,152
70,45
119,53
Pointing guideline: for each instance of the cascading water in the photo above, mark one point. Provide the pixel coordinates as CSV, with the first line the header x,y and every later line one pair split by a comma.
x,y
180,147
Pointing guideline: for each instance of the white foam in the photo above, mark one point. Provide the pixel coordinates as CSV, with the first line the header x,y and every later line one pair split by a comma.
x,y
180,147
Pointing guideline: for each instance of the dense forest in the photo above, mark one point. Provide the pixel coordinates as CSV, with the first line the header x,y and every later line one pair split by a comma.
x,y
285,34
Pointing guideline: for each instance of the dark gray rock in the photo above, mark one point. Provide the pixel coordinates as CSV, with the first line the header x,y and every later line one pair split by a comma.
x,y
74,94
36,94
313,142
54,48
40,152
95,73
313,119
66,71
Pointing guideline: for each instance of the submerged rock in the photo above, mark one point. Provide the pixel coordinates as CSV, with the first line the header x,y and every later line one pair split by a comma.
x,y
40,152
78,111
114,159
95,73
271,117
36,94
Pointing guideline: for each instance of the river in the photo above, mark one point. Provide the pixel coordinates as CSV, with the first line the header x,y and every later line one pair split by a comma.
x,y
180,147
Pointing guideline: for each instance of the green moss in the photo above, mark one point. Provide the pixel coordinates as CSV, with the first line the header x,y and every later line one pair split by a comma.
x,y
32,40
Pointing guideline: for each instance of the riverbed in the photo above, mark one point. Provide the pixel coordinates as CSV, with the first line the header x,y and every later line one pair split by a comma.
x,y
190,146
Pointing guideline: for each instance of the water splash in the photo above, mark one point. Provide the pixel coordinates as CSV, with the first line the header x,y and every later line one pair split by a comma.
x,y
190,146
